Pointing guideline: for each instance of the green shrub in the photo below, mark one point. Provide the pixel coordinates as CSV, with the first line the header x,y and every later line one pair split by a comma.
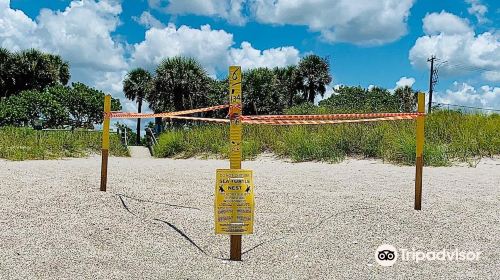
x,y
169,144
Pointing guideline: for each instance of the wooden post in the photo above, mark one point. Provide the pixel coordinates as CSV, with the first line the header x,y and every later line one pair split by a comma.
x,y
420,151
105,142
235,131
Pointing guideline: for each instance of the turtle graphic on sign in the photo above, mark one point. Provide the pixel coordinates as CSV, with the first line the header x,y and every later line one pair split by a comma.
x,y
234,202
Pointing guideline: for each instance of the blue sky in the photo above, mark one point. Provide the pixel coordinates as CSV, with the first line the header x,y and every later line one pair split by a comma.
x,y
369,42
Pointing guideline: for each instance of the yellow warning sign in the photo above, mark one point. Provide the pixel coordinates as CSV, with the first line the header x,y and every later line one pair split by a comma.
x,y
234,201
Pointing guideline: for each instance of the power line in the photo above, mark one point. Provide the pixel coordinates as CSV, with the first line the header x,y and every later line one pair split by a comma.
x,y
471,68
468,107
433,79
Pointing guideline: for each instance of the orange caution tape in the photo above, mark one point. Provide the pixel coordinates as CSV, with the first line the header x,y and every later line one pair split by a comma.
x,y
233,110
327,116
309,122
297,122
128,115
199,119
274,119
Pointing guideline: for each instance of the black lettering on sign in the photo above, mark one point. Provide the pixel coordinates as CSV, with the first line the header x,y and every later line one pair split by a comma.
x,y
235,74
235,98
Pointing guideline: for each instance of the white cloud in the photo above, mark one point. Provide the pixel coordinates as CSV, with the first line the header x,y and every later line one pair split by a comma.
x,y
208,46
478,10
213,48
248,57
15,27
405,81
445,23
148,20
492,76
463,51
81,33
363,22
230,10
467,95
402,82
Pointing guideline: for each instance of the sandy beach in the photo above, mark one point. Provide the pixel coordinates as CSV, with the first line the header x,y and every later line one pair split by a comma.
x,y
312,220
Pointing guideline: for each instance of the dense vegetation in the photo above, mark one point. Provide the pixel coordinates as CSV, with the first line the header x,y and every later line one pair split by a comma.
x,y
357,99
34,93
78,106
449,136
25,143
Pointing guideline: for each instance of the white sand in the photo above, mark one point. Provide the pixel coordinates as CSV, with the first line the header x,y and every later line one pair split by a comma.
x,y
313,220
139,152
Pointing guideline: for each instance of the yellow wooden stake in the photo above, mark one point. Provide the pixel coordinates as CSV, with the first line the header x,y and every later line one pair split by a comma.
x,y
105,142
420,150
235,131
236,127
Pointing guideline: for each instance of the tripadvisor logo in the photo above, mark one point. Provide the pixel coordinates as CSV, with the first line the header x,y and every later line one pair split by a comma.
x,y
386,255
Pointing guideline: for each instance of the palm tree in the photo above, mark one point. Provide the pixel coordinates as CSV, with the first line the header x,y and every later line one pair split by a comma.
x,y
288,82
260,94
180,83
5,71
407,98
314,72
35,70
58,68
136,86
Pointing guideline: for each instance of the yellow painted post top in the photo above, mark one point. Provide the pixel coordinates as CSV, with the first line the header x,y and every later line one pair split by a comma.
x,y
105,124
420,125
421,102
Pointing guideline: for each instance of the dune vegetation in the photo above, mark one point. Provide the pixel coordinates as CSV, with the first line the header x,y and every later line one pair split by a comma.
x,y
26,143
449,136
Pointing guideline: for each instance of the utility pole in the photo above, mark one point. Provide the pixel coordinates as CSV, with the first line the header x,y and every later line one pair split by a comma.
x,y
432,81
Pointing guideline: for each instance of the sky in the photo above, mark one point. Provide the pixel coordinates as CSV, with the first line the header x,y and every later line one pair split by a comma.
x,y
382,43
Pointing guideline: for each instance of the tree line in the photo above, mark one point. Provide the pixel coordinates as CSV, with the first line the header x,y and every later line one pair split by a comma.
x,y
34,89
34,92
376,99
181,83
